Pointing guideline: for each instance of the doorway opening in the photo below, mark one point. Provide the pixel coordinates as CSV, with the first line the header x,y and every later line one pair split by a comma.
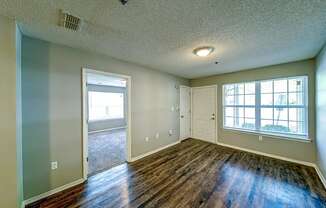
x,y
106,129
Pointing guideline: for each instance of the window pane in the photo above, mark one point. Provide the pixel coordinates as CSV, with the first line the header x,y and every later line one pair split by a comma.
x,y
239,89
266,113
301,128
295,98
281,126
239,100
280,99
250,99
297,127
250,112
296,114
239,122
239,112
229,89
229,121
278,126
266,99
249,124
229,111
250,88
266,124
266,87
280,85
296,85
280,113
229,100
105,105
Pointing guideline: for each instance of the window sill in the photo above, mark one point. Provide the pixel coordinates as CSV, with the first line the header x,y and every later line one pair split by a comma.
x,y
103,120
296,138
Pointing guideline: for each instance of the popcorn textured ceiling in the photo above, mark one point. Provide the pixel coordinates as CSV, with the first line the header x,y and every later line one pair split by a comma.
x,y
161,34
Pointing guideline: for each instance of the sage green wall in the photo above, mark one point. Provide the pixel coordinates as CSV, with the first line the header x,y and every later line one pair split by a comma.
x,y
304,151
10,126
36,123
52,113
321,110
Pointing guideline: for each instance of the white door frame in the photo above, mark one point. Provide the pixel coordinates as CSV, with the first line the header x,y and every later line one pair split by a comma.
x,y
190,89
85,117
216,110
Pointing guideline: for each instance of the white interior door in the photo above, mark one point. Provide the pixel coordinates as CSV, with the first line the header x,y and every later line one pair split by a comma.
x,y
204,113
185,112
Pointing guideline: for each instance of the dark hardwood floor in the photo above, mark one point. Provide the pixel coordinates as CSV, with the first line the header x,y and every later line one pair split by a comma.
x,y
197,174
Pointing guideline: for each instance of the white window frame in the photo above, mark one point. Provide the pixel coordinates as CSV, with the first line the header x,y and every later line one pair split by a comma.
x,y
258,106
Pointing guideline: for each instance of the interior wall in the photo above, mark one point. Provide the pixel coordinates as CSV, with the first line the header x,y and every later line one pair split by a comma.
x,y
94,126
303,151
10,126
52,110
321,110
19,137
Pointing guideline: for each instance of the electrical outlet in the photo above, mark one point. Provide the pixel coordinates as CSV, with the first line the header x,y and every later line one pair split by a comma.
x,y
172,108
157,135
146,139
260,138
54,165
170,132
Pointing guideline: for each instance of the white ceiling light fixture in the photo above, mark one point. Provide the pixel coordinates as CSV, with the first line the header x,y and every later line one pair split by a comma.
x,y
203,51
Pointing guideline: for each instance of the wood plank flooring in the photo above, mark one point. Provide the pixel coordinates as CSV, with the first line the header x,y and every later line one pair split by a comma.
x,y
197,174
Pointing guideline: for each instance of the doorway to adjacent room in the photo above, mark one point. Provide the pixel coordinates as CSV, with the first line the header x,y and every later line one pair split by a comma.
x,y
106,121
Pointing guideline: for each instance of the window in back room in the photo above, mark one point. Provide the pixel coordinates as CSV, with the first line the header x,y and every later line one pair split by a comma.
x,y
105,105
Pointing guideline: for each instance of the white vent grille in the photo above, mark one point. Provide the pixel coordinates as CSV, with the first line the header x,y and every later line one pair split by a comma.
x,y
71,22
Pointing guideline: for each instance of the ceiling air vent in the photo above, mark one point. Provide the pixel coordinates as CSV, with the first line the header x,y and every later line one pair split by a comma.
x,y
70,22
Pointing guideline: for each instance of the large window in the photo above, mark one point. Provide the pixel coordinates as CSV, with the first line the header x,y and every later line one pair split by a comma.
x,y
276,106
105,105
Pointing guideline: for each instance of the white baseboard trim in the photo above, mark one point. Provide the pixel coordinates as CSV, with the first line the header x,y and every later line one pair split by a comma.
x,y
154,151
269,155
320,174
53,191
110,129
